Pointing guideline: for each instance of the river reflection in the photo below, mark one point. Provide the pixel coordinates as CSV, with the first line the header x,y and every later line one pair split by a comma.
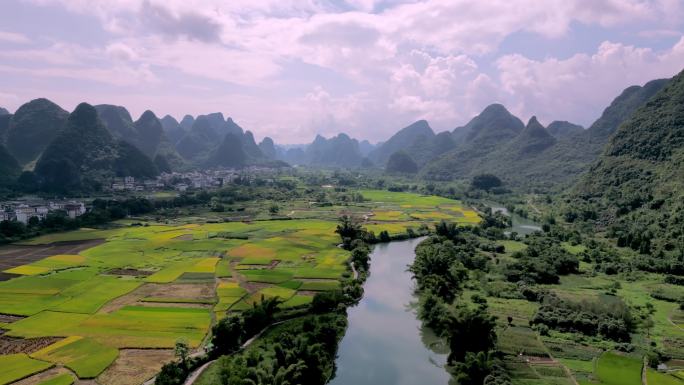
x,y
385,343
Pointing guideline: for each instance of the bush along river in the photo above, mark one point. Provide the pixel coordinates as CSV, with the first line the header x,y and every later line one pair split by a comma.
x,y
384,342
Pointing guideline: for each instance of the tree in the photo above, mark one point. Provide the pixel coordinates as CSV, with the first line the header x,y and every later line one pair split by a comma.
x,y
274,209
181,351
349,229
486,182
470,330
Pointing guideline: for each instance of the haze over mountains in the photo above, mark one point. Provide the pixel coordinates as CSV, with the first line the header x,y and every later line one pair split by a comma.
x,y
493,142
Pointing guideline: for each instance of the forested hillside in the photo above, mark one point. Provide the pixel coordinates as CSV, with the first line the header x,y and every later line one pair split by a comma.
x,y
635,190
85,152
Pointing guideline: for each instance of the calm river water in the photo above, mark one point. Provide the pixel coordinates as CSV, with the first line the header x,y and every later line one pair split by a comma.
x,y
384,343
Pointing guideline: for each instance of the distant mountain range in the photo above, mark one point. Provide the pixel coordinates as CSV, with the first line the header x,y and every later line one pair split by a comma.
x,y
496,142
66,152
493,142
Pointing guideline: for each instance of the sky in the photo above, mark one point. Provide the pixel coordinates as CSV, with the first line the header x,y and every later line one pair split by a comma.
x,y
291,69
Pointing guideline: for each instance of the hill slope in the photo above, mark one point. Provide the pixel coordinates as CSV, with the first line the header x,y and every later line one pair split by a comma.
x,y
338,151
636,186
85,153
534,157
402,140
9,167
493,127
32,128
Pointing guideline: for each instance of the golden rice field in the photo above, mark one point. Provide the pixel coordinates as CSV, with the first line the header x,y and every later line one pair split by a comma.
x,y
147,286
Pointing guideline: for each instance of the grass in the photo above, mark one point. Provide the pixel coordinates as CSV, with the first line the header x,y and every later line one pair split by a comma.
x,y
27,270
18,366
320,285
62,379
148,327
89,296
267,276
578,365
297,300
86,357
656,378
615,369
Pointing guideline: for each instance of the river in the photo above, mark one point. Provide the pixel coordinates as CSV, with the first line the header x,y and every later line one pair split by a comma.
x,y
384,343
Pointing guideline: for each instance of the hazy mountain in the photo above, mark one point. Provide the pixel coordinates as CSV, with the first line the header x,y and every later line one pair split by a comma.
x,y
424,149
622,108
9,167
636,184
150,133
495,143
32,128
365,147
154,143
493,127
402,140
267,148
295,155
532,140
187,122
146,133
232,127
229,153
118,121
4,111
85,152
249,146
199,140
174,131
562,128
4,127
402,163
338,151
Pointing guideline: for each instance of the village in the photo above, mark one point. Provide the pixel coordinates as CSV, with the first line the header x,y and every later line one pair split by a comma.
x,y
22,209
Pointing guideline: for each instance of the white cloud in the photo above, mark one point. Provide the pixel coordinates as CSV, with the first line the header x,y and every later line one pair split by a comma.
x,y
383,63
13,37
580,87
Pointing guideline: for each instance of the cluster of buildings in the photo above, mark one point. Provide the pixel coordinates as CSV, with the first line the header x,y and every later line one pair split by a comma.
x,y
182,181
23,211
129,183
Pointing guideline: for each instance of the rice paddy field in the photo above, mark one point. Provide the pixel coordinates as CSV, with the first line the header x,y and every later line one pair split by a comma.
x,y
589,360
146,286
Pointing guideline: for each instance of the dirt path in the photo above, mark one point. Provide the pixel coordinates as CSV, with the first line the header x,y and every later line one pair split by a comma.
x,y
565,368
198,372
356,273
644,380
529,203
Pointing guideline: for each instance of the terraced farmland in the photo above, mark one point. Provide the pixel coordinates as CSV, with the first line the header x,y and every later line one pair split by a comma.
x,y
146,286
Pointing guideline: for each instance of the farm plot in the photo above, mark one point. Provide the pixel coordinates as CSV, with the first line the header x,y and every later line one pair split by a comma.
x,y
125,291
18,366
87,358
616,369
400,206
61,379
147,327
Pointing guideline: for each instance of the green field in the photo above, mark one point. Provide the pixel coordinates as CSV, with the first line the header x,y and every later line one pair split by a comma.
x,y
62,379
125,293
84,356
615,369
17,366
